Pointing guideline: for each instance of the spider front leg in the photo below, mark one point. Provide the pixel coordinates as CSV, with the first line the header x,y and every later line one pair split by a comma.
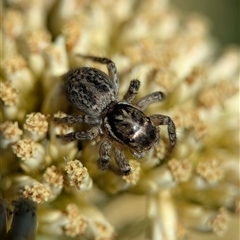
x,y
71,119
159,119
112,70
132,91
79,136
103,162
122,163
104,153
149,99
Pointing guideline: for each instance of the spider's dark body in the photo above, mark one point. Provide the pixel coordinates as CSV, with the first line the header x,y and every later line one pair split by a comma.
x,y
96,94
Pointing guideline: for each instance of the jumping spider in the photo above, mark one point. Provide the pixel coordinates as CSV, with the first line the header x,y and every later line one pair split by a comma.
x,y
96,94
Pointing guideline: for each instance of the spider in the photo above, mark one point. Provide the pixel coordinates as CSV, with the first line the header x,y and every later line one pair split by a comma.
x,y
95,93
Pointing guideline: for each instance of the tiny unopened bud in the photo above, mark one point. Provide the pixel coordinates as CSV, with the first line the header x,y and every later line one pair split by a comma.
x,y
37,193
10,133
181,170
76,224
210,170
36,126
78,175
133,177
31,153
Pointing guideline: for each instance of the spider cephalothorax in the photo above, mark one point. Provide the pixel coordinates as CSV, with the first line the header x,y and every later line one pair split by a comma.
x,y
96,94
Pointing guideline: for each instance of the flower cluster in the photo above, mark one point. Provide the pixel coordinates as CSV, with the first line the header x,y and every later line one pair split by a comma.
x,y
165,196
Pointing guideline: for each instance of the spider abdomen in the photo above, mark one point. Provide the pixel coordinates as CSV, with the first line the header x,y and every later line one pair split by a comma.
x,y
89,90
130,126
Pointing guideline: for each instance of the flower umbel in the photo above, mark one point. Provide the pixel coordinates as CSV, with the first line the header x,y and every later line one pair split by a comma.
x,y
194,189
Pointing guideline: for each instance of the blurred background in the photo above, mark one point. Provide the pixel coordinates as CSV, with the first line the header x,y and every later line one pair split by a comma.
x,y
224,16
224,19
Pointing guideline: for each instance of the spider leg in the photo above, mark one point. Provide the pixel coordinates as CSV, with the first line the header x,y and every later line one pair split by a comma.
x,y
132,91
112,70
149,99
104,153
159,119
124,167
71,119
79,136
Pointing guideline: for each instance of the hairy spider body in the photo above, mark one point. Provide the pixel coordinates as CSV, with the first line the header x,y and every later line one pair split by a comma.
x,y
96,95
130,126
89,90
